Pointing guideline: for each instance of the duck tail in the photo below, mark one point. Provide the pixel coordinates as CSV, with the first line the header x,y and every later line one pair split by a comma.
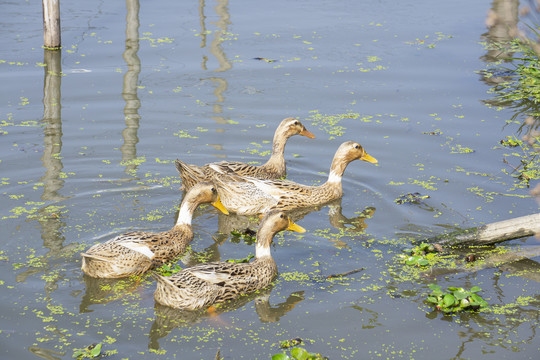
x,y
162,280
94,257
190,174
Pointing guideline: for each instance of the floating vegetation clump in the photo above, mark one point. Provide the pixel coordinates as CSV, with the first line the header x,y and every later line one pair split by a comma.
x,y
419,255
168,269
295,352
411,198
240,261
455,299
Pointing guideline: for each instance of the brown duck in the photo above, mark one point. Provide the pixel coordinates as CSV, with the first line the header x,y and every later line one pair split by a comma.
x,y
250,196
209,283
135,252
274,168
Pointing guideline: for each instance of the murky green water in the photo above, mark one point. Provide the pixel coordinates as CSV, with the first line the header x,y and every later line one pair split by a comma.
x,y
88,155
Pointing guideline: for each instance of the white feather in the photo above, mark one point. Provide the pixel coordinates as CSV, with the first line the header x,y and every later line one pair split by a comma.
x,y
334,178
210,276
138,247
217,168
184,216
261,251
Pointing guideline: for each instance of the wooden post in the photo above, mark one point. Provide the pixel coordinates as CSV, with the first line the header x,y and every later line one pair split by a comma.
x,y
492,233
51,24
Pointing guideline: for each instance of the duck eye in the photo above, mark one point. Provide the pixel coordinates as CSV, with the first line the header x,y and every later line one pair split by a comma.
x,y
296,122
281,216
213,189
357,146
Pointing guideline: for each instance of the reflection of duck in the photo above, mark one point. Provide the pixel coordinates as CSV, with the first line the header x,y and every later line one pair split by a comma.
x,y
244,224
248,196
209,283
357,223
103,291
168,318
135,252
274,168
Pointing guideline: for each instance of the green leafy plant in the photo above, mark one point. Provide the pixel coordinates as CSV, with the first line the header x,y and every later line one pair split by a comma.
x,y
418,256
168,269
243,260
298,353
511,141
411,198
285,344
456,299
92,351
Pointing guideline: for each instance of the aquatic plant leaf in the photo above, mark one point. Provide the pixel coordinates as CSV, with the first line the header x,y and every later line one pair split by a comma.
x,y
460,294
423,262
299,353
436,289
280,356
475,289
449,300
476,298
464,303
433,299
96,350
413,260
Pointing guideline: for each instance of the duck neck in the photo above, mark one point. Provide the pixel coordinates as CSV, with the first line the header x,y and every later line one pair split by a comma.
x,y
185,215
337,169
264,240
277,159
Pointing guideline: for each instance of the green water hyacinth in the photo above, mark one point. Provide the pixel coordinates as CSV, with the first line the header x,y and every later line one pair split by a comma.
x,y
298,353
168,269
92,351
456,299
417,255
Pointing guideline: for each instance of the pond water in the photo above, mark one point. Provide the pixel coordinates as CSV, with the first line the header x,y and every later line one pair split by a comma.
x,y
89,154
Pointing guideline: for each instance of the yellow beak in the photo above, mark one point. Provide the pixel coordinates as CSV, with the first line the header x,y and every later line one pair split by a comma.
x,y
218,205
307,133
295,227
369,158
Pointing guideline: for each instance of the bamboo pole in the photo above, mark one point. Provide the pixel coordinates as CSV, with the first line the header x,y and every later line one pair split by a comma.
x,y
51,24
492,233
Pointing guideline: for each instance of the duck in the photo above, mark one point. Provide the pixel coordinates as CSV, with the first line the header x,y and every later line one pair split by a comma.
x,y
274,168
206,284
136,252
251,196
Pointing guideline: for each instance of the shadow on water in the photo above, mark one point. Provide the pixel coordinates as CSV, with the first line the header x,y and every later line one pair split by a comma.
x,y
168,319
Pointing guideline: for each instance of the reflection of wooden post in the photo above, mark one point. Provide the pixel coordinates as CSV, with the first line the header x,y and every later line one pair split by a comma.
x,y
53,126
51,24
131,78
